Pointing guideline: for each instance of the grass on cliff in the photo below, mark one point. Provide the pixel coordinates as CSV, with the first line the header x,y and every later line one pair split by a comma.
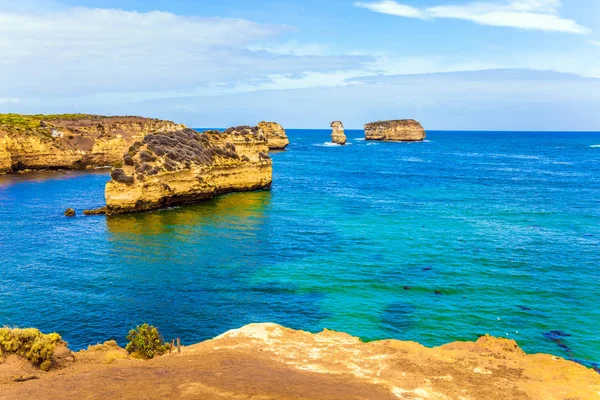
x,y
29,343
28,123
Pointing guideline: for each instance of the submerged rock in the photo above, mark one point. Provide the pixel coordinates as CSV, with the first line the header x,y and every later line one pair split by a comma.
x,y
186,166
70,212
404,130
70,141
276,136
337,135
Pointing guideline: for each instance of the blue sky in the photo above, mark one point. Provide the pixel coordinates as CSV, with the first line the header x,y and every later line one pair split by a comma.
x,y
452,64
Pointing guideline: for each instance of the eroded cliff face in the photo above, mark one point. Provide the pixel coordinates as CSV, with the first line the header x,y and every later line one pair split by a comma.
x,y
268,361
275,134
70,141
404,130
186,166
337,134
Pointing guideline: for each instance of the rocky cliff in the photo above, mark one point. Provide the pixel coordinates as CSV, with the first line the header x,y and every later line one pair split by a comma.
x,y
268,361
70,141
275,134
404,130
337,133
186,166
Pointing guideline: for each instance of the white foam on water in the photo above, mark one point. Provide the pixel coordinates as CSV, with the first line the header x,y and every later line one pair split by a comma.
x,y
412,159
360,139
595,146
372,144
330,144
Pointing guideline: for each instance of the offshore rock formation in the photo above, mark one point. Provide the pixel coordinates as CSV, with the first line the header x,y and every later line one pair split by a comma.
x,y
403,130
268,361
186,166
275,134
337,135
70,141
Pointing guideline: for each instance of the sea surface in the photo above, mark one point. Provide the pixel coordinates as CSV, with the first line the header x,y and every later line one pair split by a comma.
x,y
464,234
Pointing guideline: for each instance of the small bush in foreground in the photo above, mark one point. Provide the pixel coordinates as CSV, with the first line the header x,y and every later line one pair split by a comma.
x,y
146,341
31,344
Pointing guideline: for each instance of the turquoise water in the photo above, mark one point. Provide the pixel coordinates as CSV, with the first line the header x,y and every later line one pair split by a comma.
x,y
465,234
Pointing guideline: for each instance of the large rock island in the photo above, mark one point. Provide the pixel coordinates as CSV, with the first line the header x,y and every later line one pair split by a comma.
x,y
268,361
402,130
171,168
70,141
275,134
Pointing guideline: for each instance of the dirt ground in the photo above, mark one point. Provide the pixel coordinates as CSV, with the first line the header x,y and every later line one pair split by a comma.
x,y
266,361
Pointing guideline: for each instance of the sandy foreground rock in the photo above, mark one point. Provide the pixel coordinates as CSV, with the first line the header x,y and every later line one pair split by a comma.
x,y
268,361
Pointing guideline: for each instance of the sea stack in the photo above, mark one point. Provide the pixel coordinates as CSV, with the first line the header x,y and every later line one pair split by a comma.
x,y
337,134
403,130
276,136
70,141
186,166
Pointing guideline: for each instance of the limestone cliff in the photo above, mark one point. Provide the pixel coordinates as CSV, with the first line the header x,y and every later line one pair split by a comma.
x,y
187,166
337,134
275,134
268,361
404,130
70,141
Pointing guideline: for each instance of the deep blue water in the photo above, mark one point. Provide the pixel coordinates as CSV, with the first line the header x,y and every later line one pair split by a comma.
x,y
505,226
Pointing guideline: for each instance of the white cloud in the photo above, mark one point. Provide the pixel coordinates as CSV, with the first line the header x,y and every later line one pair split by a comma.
x,y
293,48
523,14
594,42
8,100
82,51
392,8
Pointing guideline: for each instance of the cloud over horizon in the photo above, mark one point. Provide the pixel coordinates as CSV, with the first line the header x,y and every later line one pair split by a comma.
x,y
89,50
523,14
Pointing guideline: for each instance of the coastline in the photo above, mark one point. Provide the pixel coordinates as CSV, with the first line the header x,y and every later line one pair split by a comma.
x,y
271,361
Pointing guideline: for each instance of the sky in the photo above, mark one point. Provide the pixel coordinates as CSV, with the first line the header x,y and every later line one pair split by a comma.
x,y
451,64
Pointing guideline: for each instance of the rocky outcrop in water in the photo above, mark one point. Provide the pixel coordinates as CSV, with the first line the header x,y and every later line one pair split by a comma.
x,y
70,141
403,130
337,134
186,166
275,134
268,361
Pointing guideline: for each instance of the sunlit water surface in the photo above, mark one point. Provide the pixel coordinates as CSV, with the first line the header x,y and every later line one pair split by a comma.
x,y
465,234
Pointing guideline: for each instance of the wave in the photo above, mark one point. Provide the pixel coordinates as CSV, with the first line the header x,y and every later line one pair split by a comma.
x,y
412,159
360,139
330,144
595,146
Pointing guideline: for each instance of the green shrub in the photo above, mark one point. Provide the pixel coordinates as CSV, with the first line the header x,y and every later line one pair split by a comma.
x,y
146,341
31,344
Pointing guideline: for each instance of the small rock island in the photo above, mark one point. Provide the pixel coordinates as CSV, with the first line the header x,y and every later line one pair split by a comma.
x,y
276,136
70,141
337,134
402,130
185,166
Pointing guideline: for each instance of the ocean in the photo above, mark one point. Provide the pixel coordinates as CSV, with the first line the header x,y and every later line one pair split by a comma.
x,y
464,234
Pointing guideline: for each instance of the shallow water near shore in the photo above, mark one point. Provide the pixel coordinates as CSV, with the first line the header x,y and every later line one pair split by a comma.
x,y
465,234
